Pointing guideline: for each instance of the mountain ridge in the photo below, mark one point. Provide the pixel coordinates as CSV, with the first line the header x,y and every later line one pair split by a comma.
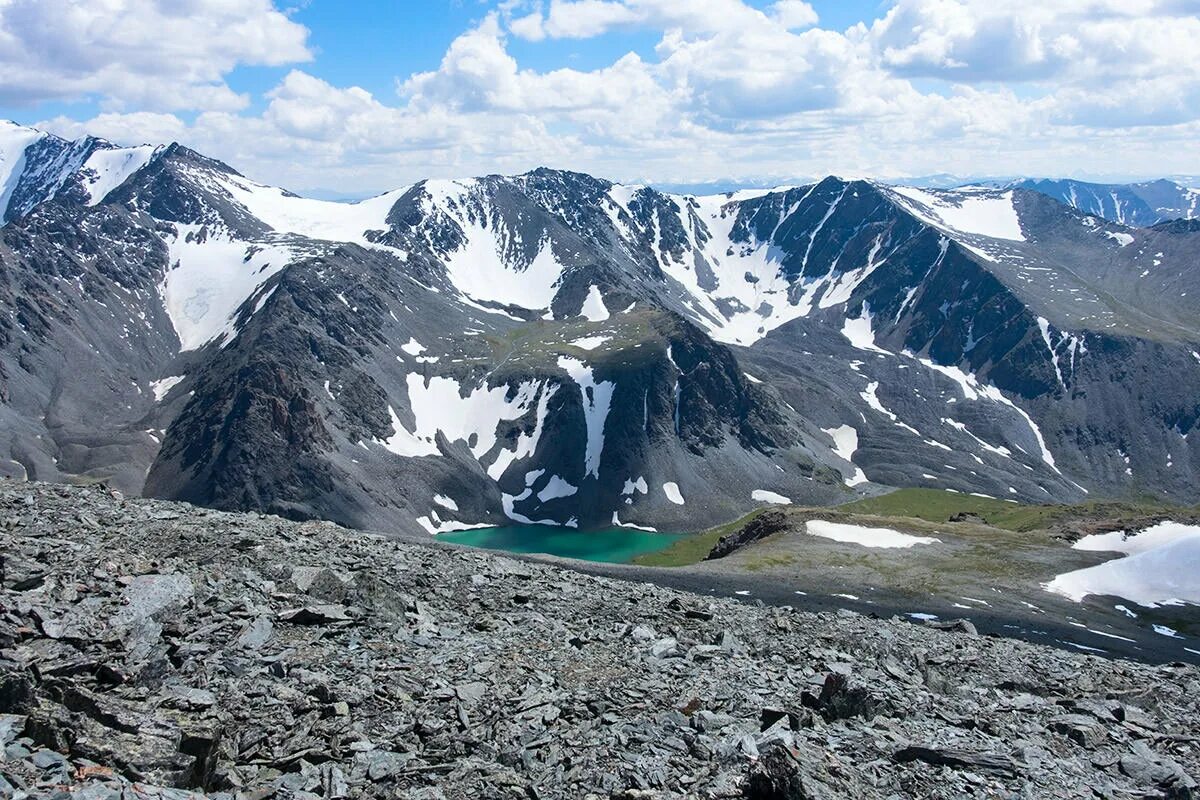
x,y
531,346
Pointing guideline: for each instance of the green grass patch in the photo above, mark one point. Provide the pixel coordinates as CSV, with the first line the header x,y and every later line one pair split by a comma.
x,y
693,549
759,563
936,505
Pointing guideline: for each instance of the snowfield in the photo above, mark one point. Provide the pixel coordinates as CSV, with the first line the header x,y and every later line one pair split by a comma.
x,y
980,213
105,170
483,266
316,219
1160,566
210,277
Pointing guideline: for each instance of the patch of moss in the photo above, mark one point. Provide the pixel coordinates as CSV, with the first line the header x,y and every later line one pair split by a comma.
x,y
759,563
936,505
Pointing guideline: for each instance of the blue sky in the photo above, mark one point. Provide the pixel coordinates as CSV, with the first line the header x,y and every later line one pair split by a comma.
x,y
315,95
382,40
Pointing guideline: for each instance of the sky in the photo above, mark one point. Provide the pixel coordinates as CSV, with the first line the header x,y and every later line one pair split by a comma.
x,y
359,97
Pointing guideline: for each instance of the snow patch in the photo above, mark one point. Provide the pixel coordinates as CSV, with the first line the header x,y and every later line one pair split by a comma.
x,y
596,399
616,521
555,488
1159,567
858,332
439,407
632,486
867,537
163,386
764,496
845,443
671,490
594,309
413,347
589,342
435,526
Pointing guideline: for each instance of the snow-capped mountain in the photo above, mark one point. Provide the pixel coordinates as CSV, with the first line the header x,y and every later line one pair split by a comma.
x,y
36,166
553,347
1140,204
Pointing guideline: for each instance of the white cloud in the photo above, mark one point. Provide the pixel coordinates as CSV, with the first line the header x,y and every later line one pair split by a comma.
x,y
794,14
140,54
583,19
1069,40
732,91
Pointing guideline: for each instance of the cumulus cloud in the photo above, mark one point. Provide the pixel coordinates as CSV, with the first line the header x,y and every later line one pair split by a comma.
x,y
140,54
583,19
730,90
1070,40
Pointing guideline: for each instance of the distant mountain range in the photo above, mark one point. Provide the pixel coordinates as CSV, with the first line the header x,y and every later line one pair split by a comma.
x,y
1140,204
555,348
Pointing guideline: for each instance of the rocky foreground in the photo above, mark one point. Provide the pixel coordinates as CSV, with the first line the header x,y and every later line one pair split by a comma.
x,y
151,649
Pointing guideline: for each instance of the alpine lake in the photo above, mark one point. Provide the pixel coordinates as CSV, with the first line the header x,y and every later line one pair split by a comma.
x,y
607,545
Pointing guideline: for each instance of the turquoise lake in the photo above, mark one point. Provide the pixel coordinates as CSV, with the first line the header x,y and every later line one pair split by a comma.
x,y
610,545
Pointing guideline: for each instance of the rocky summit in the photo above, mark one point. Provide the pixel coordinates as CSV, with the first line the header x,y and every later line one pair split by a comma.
x,y
153,649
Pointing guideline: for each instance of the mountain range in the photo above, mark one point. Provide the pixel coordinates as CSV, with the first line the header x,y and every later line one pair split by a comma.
x,y
556,348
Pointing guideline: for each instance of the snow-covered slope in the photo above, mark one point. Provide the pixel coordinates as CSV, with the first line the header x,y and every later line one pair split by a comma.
x,y
14,141
36,166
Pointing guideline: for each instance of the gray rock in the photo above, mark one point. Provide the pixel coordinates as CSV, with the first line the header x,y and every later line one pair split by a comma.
x,y
238,688
152,596
256,633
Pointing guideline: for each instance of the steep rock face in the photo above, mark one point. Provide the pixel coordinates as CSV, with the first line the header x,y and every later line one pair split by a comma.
x,y
552,347
84,340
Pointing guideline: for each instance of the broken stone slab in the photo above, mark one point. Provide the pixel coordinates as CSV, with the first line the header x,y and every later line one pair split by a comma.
x,y
958,625
838,699
781,773
665,648
321,583
957,757
318,614
1149,768
1085,731
150,596
255,634
11,726
187,698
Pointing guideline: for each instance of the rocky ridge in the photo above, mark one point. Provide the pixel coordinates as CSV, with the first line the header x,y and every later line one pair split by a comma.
x,y
152,649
